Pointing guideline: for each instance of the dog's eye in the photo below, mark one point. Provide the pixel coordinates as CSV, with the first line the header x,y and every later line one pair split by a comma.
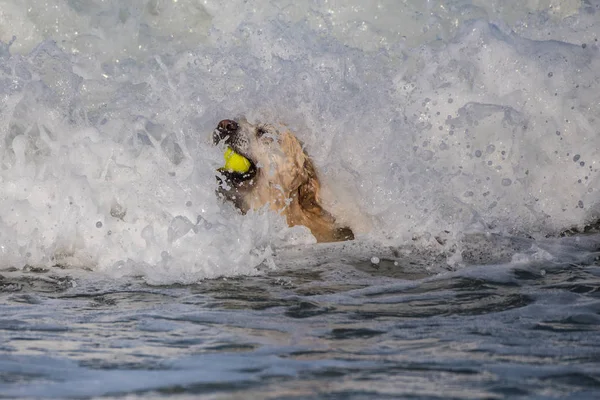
x,y
260,131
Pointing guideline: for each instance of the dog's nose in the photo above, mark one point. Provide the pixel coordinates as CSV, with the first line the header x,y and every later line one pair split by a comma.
x,y
225,130
227,126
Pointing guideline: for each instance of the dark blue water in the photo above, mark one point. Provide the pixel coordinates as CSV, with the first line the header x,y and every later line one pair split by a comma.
x,y
335,330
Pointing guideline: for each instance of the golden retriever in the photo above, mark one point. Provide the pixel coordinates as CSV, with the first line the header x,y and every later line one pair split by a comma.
x,y
281,174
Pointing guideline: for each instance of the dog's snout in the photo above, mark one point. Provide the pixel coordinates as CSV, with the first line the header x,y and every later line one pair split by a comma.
x,y
228,126
225,129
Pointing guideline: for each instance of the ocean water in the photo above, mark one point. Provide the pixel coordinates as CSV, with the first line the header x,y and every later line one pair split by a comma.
x,y
459,139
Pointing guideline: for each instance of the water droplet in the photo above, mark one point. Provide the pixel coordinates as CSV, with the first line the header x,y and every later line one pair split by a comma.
x,y
98,224
427,155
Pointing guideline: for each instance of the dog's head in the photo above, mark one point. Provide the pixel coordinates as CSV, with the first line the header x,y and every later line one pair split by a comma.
x,y
281,174
278,165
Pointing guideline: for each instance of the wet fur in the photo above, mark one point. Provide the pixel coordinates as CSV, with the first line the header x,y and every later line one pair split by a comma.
x,y
284,178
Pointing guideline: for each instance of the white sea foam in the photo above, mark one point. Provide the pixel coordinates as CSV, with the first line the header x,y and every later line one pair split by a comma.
x,y
423,117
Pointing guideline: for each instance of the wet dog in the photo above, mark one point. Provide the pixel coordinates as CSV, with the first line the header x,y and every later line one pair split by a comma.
x,y
281,175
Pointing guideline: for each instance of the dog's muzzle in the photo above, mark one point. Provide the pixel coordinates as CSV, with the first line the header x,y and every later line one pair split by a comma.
x,y
225,131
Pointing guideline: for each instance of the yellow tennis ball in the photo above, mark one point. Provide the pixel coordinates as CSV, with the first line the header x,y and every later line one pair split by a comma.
x,y
235,162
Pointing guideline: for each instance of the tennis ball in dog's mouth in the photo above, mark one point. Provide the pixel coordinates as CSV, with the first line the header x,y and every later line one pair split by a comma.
x,y
235,162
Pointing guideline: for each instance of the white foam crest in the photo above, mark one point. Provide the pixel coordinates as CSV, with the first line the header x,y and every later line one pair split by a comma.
x,y
504,122
97,185
104,30
419,119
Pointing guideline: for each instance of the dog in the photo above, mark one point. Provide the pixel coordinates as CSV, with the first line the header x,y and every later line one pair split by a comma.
x,y
281,175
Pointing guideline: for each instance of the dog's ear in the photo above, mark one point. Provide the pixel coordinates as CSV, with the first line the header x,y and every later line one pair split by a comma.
x,y
298,168
308,191
306,187
308,197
